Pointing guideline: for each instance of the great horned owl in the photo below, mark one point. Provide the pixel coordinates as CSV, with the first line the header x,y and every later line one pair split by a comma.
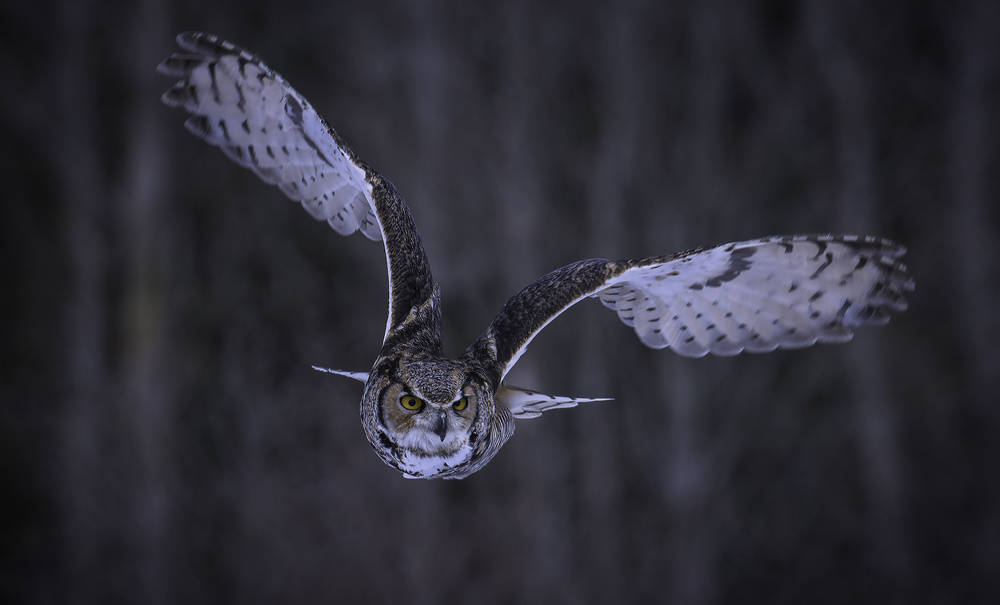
x,y
430,416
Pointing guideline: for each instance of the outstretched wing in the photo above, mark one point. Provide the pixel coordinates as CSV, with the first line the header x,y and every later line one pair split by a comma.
x,y
783,291
240,105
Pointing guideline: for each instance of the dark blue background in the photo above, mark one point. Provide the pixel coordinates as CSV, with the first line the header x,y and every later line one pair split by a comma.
x,y
164,440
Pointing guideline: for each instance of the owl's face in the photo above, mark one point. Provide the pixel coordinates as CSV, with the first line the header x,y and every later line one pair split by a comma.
x,y
428,418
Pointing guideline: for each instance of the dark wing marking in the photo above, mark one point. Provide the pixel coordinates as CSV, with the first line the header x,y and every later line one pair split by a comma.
x,y
240,105
784,291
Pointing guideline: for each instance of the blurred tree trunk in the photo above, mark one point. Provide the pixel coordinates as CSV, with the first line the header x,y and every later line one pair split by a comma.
x,y
114,501
872,397
611,172
973,250
83,195
687,476
146,388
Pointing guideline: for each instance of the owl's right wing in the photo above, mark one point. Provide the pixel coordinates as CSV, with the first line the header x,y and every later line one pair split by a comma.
x,y
240,105
759,295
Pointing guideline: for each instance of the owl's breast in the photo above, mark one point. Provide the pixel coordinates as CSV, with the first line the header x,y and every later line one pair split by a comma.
x,y
415,464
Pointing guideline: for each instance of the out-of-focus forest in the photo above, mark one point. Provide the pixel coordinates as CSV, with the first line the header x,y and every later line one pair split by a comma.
x,y
164,440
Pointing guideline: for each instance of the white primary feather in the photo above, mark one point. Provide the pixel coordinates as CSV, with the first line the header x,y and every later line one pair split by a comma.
x,y
260,122
525,403
760,295
360,376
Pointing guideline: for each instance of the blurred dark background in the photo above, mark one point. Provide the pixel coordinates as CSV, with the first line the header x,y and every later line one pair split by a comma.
x,y
164,440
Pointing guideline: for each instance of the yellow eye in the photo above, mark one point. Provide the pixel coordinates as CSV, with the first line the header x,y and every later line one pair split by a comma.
x,y
461,404
409,402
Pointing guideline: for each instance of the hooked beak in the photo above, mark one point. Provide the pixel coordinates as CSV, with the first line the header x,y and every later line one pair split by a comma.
x,y
441,425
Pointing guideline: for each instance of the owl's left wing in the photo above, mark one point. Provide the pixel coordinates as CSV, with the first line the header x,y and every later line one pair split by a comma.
x,y
525,403
242,106
783,291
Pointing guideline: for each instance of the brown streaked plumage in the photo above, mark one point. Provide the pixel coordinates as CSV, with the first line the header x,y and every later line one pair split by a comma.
x,y
429,416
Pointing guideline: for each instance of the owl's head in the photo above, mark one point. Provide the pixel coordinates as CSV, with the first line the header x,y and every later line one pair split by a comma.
x,y
431,418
